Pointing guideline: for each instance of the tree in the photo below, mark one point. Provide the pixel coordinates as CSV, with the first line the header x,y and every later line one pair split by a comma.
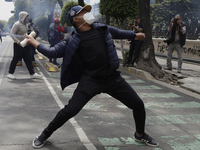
x,y
3,24
147,59
11,21
81,2
66,8
42,24
164,10
120,10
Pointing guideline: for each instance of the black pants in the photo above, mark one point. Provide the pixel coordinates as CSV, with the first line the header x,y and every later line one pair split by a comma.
x,y
53,43
116,87
21,52
32,50
135,46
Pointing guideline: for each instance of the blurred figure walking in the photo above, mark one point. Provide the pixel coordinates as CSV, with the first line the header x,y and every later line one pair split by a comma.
x,y
19,29
56,35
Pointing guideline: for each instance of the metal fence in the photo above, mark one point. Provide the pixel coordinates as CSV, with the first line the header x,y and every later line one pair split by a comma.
x,y
165,34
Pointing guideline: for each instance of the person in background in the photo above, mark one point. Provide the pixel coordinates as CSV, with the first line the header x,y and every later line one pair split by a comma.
x,y
90,58
135,45
0,36
55,34
19,29
177,29
31,27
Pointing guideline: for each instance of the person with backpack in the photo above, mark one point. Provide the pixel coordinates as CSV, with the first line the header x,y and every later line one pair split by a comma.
x,y
56,35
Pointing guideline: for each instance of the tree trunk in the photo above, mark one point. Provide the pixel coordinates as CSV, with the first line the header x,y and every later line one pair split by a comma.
x,y
107,20
60,2
147,59
81,3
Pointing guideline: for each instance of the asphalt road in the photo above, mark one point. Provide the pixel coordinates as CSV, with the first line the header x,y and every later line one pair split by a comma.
x,y
28,105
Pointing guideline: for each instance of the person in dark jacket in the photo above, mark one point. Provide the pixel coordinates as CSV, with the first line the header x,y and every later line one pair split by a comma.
x,y
56,36
90,58
177,28
135,45
0,36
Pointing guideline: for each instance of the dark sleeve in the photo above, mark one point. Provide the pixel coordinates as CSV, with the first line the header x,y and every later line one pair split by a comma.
x,y
63,29
121,34
53,52
141,25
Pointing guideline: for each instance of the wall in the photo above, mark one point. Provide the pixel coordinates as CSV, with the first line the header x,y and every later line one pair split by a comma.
x,y
190,50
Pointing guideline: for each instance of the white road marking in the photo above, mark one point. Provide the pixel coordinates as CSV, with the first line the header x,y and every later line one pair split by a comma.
x,y
7,47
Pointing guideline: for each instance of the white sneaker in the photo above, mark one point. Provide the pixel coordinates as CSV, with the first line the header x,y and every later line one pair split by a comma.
x,y
11,76
36,76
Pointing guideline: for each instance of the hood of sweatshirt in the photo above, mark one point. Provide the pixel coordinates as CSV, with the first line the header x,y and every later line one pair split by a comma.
x,y
22,16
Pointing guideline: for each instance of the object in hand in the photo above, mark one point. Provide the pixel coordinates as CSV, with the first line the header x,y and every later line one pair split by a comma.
x,y
23,43
175,20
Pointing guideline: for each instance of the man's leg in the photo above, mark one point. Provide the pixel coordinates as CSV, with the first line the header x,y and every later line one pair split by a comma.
x,y
84,92
130,55
169,56
179,50
122,91
138,45
17,55
27,59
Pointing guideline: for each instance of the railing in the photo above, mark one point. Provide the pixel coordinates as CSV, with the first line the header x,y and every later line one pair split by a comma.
x,y
164,34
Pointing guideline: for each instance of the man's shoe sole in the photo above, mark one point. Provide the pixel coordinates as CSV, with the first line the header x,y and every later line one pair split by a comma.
x,y
36,147
145,143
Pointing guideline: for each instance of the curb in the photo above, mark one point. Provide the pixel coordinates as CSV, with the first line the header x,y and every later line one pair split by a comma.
x,y
136,72
148,76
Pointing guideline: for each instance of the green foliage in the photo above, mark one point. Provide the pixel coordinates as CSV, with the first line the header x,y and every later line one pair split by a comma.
x,y
65,9
163,12
20,5
11,21
68,5
3,24
158,1
119,10
41,22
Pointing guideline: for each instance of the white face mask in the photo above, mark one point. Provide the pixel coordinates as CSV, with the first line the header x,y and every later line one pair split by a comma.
x,y
88,17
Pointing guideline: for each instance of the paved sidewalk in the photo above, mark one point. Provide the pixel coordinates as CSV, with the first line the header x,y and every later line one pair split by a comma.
x,y
190,73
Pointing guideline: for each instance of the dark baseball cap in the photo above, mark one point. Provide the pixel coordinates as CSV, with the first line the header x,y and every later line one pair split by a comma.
x,y
76,10
137,17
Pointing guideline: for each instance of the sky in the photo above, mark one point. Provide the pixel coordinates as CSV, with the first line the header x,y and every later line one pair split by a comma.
x,y
6,7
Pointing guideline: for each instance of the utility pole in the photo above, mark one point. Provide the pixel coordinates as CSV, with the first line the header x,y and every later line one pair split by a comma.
x,y
81,3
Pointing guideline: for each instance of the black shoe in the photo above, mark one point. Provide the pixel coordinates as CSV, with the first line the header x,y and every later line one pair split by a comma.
x,y
55,63
146,139
130,65
39,141
167,68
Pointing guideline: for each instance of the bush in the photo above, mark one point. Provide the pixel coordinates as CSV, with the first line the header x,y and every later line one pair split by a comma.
x,y
65,9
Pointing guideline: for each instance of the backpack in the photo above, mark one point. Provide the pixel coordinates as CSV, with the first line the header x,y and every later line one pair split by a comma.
x,y
53,32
